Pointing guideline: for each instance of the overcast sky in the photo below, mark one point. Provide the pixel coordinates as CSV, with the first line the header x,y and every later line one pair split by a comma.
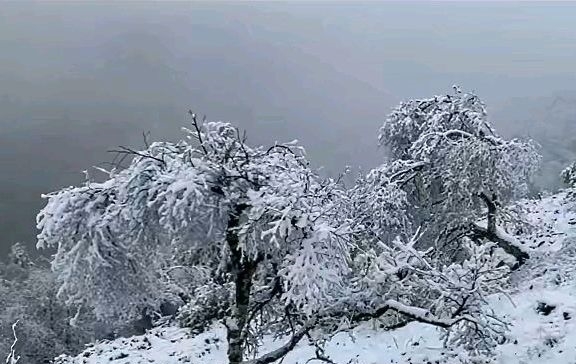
x,y
79,79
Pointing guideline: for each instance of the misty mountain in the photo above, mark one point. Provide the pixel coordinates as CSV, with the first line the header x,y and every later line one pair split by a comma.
x,y
551,121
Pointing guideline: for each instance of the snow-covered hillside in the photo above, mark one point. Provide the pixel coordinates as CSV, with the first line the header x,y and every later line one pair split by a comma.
x,y
541,308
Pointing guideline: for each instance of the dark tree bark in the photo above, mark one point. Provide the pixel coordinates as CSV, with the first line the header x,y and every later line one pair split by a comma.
x,y
491,233
491,218
242,271
286,348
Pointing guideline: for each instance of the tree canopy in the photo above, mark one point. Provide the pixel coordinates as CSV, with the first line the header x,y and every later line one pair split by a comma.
x,y
452,165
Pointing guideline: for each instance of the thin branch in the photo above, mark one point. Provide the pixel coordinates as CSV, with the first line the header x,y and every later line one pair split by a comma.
x,y
130,151
286,348
413,167
146,135
198,131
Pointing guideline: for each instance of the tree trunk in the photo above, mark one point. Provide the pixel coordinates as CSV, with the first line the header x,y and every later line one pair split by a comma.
x,y
520,255
242,271
491,233
491,218
239,318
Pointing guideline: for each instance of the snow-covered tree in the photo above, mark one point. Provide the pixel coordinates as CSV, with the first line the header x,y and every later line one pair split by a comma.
x,y
28,295
455,166
248,236
258,221
568,175
19,255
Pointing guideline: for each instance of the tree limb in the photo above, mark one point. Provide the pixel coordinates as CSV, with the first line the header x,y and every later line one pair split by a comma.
x,y
414,313
520,255
286,348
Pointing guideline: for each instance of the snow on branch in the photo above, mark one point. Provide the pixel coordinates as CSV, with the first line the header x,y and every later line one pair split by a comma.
x,y
12,358
503,235
414,313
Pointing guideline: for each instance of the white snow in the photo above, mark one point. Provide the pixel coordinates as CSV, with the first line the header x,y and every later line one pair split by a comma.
x,y
534,338
555,217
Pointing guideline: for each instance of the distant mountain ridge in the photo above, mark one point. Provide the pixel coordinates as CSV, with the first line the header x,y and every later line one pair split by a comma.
x,y
551,121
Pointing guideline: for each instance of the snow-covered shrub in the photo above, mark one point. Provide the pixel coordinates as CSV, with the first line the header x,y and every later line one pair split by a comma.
x,y
208,303
28,295
568,175
397,277
19,256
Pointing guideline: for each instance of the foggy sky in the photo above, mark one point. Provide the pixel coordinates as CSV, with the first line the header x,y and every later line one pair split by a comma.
x,y
79,79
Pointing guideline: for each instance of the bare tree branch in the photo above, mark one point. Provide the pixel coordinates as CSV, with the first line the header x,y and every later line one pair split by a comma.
x,y
286,348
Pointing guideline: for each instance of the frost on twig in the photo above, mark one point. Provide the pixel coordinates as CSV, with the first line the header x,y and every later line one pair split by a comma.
x,y
12,358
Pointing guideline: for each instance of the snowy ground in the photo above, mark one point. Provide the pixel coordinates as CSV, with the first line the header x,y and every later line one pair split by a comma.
x,y
555,217
541,308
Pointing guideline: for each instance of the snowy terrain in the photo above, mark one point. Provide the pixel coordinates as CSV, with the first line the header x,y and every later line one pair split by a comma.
x,y
541,309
